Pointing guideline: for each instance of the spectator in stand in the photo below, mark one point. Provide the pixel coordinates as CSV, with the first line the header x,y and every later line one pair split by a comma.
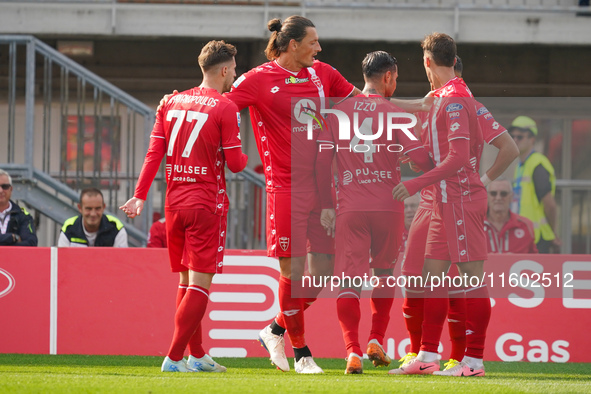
x,y
16,224
507,232
157,234
534,185
92,227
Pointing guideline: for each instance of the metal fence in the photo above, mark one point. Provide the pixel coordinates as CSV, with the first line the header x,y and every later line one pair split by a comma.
x,y
481,4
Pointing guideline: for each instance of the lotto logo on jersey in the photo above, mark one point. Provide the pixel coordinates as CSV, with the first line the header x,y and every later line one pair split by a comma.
x,y
454,107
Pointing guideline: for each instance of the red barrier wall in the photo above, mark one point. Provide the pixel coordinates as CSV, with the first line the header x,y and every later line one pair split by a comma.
x,y
121,301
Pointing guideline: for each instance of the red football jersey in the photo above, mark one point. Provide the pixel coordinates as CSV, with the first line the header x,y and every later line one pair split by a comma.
x,y
368,170
192,129
157,235
453,116
279,100
427,193
516,236
491,129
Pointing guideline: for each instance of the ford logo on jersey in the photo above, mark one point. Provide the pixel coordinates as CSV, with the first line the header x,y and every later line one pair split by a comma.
x,y
453,107
482,111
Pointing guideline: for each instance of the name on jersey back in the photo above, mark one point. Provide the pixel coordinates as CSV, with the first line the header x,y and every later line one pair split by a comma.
x,y
190,99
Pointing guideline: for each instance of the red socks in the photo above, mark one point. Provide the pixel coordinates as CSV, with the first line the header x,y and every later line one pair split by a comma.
x,y
477,318
292,310
349,314
182,290
456,323
412,310
310,295
187,319
434,314
382,298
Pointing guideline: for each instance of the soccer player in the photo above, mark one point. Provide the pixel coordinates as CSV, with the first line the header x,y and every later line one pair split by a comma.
x,y
455,233
369,221
198,131
293,209
412,263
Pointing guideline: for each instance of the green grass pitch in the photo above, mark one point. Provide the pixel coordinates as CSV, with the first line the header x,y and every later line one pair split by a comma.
x,y
20,373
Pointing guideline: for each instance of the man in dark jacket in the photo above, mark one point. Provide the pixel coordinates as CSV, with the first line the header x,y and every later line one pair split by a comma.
x,y
16,224
92,227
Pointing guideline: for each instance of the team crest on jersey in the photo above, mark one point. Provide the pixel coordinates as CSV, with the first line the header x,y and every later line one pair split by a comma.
x,y
317,81
284,243
454,107
447,90
293,79
482,111
519,233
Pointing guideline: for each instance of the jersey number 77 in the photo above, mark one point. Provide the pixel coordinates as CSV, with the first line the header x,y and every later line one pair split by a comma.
x,y
189,116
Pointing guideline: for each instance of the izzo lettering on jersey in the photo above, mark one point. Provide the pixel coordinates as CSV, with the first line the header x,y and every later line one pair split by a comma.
x,y
364,131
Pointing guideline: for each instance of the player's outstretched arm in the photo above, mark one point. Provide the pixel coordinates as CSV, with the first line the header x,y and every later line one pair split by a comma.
x,y
459,155
133,207
508,152
416,105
